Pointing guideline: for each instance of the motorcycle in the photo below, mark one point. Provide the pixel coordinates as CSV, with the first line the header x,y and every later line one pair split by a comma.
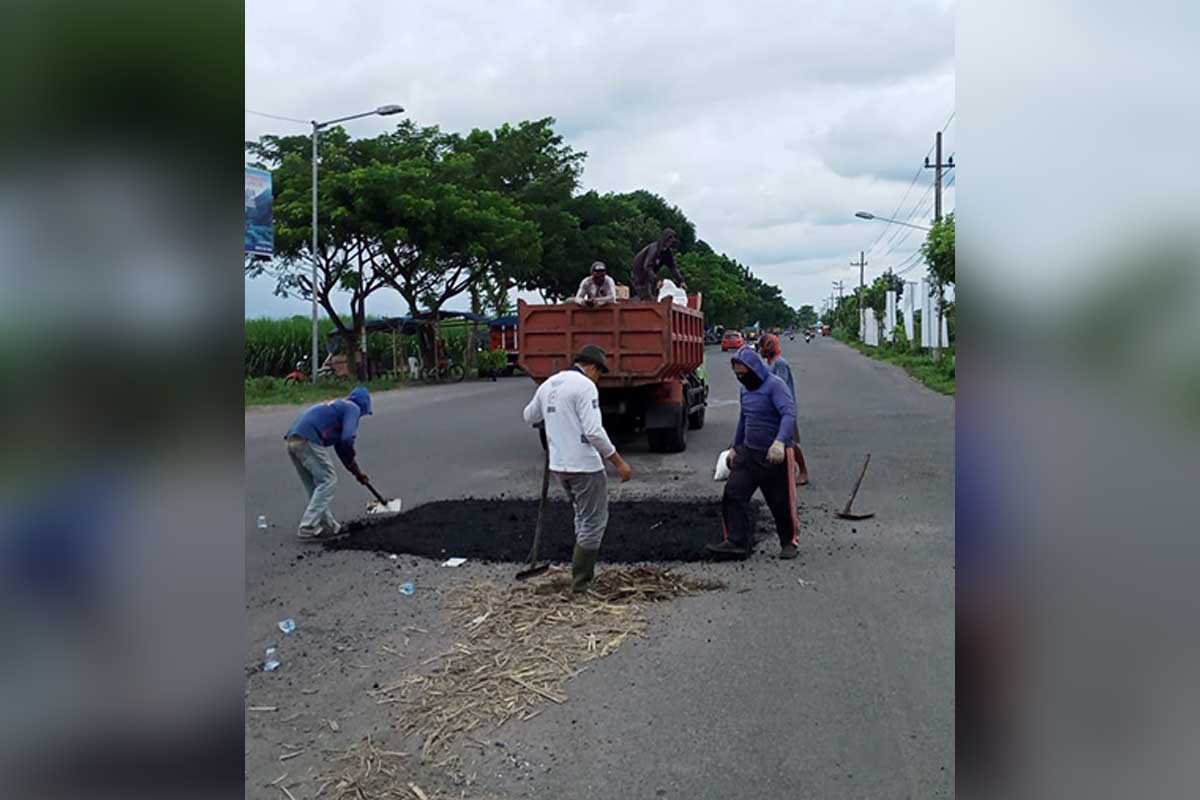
x,y
298,375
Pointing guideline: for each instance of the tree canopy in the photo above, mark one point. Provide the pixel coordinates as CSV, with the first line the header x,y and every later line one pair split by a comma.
x,y
433,214
938,251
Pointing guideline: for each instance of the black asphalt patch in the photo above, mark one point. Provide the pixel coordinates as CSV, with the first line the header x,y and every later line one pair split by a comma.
x,y
502,530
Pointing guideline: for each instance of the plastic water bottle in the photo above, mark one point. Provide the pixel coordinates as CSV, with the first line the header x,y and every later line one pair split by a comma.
x,y
262,522
272,662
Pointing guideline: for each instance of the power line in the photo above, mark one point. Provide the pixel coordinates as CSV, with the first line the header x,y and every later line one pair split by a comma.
x,y
902,234
909,189
276,116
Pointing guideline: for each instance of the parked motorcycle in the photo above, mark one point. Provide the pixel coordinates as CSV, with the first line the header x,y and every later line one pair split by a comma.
x,y
298,375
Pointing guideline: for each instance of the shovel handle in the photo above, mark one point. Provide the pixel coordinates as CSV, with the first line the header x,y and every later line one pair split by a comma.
x,y
857,484
378,496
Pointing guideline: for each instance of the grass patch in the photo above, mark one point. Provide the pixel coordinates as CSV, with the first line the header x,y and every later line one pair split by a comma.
x,y
265,391
920,365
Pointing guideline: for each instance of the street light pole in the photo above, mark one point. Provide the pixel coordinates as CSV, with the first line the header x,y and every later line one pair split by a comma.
x,y
869,215
382,111
316,127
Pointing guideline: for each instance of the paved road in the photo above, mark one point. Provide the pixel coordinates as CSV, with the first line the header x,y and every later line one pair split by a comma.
x,y
842,687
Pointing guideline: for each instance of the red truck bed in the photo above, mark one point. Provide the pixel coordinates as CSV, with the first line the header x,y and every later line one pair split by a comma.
x,y
647,343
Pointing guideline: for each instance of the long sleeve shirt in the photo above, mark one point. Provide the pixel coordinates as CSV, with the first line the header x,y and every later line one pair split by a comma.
x,y
569,405
334,424
603,294
783,370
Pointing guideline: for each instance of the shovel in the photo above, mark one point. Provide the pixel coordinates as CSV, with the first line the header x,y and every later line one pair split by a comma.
x,y
382,506
534,569
846,513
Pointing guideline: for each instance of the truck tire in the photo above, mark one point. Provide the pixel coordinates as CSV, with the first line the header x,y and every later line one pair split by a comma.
x,y
696,419
669,440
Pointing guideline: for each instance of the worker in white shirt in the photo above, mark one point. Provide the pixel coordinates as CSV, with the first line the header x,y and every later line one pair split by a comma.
x,y
597,289
568,404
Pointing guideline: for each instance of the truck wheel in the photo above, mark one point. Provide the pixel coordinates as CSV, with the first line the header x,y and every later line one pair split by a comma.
x,y
696,419
669,440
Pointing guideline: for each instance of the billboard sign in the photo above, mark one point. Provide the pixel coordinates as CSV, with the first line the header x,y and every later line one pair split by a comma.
x,y
260,233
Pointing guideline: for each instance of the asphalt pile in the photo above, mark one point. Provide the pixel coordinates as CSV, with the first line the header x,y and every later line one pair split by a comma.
x,y
501,530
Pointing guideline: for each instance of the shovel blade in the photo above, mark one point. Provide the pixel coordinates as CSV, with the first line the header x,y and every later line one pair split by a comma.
x,y
533,572
847,515
390,507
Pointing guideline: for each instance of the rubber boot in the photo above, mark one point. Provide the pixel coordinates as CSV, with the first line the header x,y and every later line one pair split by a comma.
x,y
583,568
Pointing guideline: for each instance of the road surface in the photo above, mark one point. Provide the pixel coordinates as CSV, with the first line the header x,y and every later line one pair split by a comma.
x,y
842,686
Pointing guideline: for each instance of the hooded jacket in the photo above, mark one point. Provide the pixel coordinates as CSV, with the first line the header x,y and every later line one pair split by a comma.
x,y
769,412
334,423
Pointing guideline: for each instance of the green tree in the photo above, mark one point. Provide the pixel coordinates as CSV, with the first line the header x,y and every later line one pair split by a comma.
x,y
412,209
806,317
345,257
938,251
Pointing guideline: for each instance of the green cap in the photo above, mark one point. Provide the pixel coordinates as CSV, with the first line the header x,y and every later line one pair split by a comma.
x,y
592,354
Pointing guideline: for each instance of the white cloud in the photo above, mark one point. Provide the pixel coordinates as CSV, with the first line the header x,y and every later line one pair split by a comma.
x,y
769,124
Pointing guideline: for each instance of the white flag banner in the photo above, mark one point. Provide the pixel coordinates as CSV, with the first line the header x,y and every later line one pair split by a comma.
x,y
889,321
945,333
872,335
927,320
909,292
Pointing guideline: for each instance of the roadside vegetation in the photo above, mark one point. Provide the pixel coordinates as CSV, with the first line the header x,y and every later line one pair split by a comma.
x,y
268,391
938,254
937,375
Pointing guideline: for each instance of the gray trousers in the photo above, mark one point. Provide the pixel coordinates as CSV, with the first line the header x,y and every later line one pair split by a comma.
x,y
316,470
588,493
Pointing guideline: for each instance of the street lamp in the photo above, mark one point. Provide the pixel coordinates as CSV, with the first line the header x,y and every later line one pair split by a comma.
x,y
869,215
382,111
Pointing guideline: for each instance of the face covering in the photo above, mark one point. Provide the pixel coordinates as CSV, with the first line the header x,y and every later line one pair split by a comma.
x,y
750,380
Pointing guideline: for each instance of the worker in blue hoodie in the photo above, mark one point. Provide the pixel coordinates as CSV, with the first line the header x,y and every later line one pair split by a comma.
x,y
332,424
761,458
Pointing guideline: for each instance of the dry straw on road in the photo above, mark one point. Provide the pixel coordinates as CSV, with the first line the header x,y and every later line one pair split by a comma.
x,y
366,771
522,643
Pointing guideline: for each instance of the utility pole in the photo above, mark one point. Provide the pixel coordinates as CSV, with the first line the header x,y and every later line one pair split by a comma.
x,y
937,167
861,264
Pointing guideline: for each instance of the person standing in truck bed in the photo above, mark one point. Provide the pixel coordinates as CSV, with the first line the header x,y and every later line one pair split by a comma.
x,y
649,260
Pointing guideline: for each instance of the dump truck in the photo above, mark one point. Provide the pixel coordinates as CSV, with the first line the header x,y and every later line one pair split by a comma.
x,y
655,381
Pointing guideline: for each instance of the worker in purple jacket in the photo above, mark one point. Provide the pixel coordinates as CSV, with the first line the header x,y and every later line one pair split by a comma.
x,y
332,424
761,458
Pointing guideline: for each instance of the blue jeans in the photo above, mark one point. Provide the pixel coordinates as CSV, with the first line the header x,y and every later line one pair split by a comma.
x,y
315,467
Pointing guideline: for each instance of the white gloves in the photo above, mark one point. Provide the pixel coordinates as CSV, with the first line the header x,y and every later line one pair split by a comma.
x,y
776,453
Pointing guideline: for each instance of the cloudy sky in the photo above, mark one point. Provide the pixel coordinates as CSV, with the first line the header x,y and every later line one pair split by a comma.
x,y
769,124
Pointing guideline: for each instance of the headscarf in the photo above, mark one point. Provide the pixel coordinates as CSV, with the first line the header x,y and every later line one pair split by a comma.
x,y
768,346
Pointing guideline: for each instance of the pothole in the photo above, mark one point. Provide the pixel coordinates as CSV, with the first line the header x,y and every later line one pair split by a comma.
x,y
502,530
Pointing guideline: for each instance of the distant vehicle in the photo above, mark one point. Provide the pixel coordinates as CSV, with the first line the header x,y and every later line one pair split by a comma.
x,y
750,335
825,330
732,340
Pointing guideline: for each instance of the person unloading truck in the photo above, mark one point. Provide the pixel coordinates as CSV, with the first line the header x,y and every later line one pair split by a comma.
x,y
760,459
568,403
597,289
648,261
326,425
